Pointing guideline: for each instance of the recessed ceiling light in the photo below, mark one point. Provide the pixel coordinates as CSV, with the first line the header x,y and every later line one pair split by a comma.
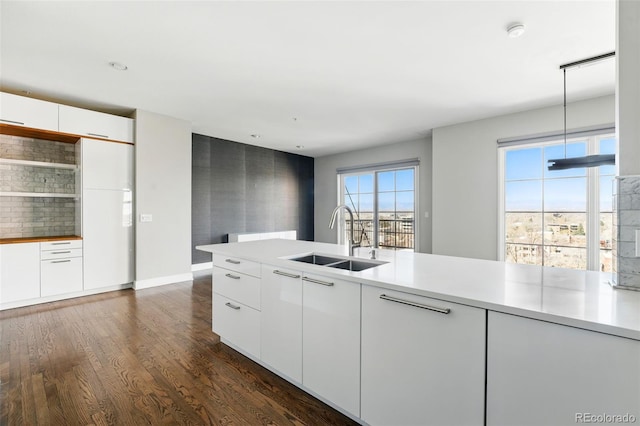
x,y
118,66
299,146
515,30
255,136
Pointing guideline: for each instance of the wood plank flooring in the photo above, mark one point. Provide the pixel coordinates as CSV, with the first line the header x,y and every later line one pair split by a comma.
x,y
135,358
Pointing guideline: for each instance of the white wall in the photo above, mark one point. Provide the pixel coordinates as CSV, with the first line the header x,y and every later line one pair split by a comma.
x,y
326,186
163,189
465,172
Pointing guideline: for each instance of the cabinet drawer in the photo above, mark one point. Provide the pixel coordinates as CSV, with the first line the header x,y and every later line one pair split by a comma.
x,y
89,123
27,112
237,286
237,323
59,245
60,276
63,253
239,265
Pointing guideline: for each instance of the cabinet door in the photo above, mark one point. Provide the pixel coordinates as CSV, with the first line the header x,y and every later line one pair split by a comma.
x,y
89,123
60,276
237,323
107,238
106,165
331,340
281,321
539,373
27,112
19,272
421,366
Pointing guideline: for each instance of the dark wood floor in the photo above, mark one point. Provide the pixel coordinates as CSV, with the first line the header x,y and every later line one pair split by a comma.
x,y
133,358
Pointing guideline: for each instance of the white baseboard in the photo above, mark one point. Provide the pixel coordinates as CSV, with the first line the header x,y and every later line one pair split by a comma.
x,y
155,282
201,266
47,299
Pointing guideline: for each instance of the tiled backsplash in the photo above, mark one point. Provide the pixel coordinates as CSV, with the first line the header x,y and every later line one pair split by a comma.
x,y
626,266
37,216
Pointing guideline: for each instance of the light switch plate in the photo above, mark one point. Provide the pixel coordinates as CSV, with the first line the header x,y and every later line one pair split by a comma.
x,y
145,217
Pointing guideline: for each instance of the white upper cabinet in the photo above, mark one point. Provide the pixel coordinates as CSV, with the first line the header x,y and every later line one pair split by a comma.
x,y
27,112
95,124
107,165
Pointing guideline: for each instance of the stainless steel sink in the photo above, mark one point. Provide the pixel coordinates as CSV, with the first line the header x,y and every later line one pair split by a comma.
x,y
346,263
317,259
354,265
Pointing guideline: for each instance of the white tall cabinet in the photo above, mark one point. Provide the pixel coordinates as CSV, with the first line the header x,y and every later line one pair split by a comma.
x,y
107,213
423,360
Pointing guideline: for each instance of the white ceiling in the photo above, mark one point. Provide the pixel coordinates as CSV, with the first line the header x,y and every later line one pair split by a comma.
x,y
332,76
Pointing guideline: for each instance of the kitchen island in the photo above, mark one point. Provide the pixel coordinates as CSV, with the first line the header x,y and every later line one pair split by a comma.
x,y
427,339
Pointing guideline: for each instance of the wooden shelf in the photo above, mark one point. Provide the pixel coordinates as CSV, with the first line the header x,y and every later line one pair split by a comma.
x,y
38,239
38,195
27,132
38,164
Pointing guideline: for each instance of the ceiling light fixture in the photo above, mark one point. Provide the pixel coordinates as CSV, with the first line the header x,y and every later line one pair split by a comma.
x,y
118,66
588,160
515,30
255,136
299,146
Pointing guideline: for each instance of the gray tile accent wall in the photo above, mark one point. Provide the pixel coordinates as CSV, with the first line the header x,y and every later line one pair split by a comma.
x,y
34,216
243,188
626,218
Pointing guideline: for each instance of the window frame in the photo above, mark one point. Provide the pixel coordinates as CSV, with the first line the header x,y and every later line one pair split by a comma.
x,y
341,175
593,211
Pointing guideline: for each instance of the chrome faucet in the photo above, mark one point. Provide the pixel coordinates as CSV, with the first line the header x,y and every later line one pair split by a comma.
x,y
332,222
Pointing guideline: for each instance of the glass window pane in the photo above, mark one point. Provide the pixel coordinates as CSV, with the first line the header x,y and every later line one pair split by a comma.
x,y
405,201
523,228
562,195
565,257
404,180
574,149
386,202
523,164
386,181
366,183
351,184
565,229
606,261
366,203
606,231
523,196
525,254
608,146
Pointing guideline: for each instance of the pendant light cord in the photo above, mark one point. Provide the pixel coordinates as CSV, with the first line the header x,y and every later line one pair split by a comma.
x,y
564,70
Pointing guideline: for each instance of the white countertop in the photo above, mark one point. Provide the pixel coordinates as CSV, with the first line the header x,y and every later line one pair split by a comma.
x,y
581,299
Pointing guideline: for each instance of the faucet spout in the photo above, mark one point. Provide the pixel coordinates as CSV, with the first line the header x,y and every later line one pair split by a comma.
x,y
332,222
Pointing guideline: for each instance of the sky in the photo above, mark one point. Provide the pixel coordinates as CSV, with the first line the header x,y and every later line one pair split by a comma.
x,y
561,190
395,191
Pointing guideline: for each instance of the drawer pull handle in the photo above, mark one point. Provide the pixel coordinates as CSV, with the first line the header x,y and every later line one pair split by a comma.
x,y
12,122
61,261
61,244
235,262
98,135
61,252
312,280
232,306
414,304
285,274
234,277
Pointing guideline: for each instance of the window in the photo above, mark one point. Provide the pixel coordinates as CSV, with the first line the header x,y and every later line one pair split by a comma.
x,y
384,207
559,218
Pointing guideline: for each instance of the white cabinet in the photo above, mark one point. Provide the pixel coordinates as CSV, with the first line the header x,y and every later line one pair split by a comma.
x,y
19,272
27,112
421,366
60,267
107,222
89,123
281,321
331,340
107,165
539,373
236,307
